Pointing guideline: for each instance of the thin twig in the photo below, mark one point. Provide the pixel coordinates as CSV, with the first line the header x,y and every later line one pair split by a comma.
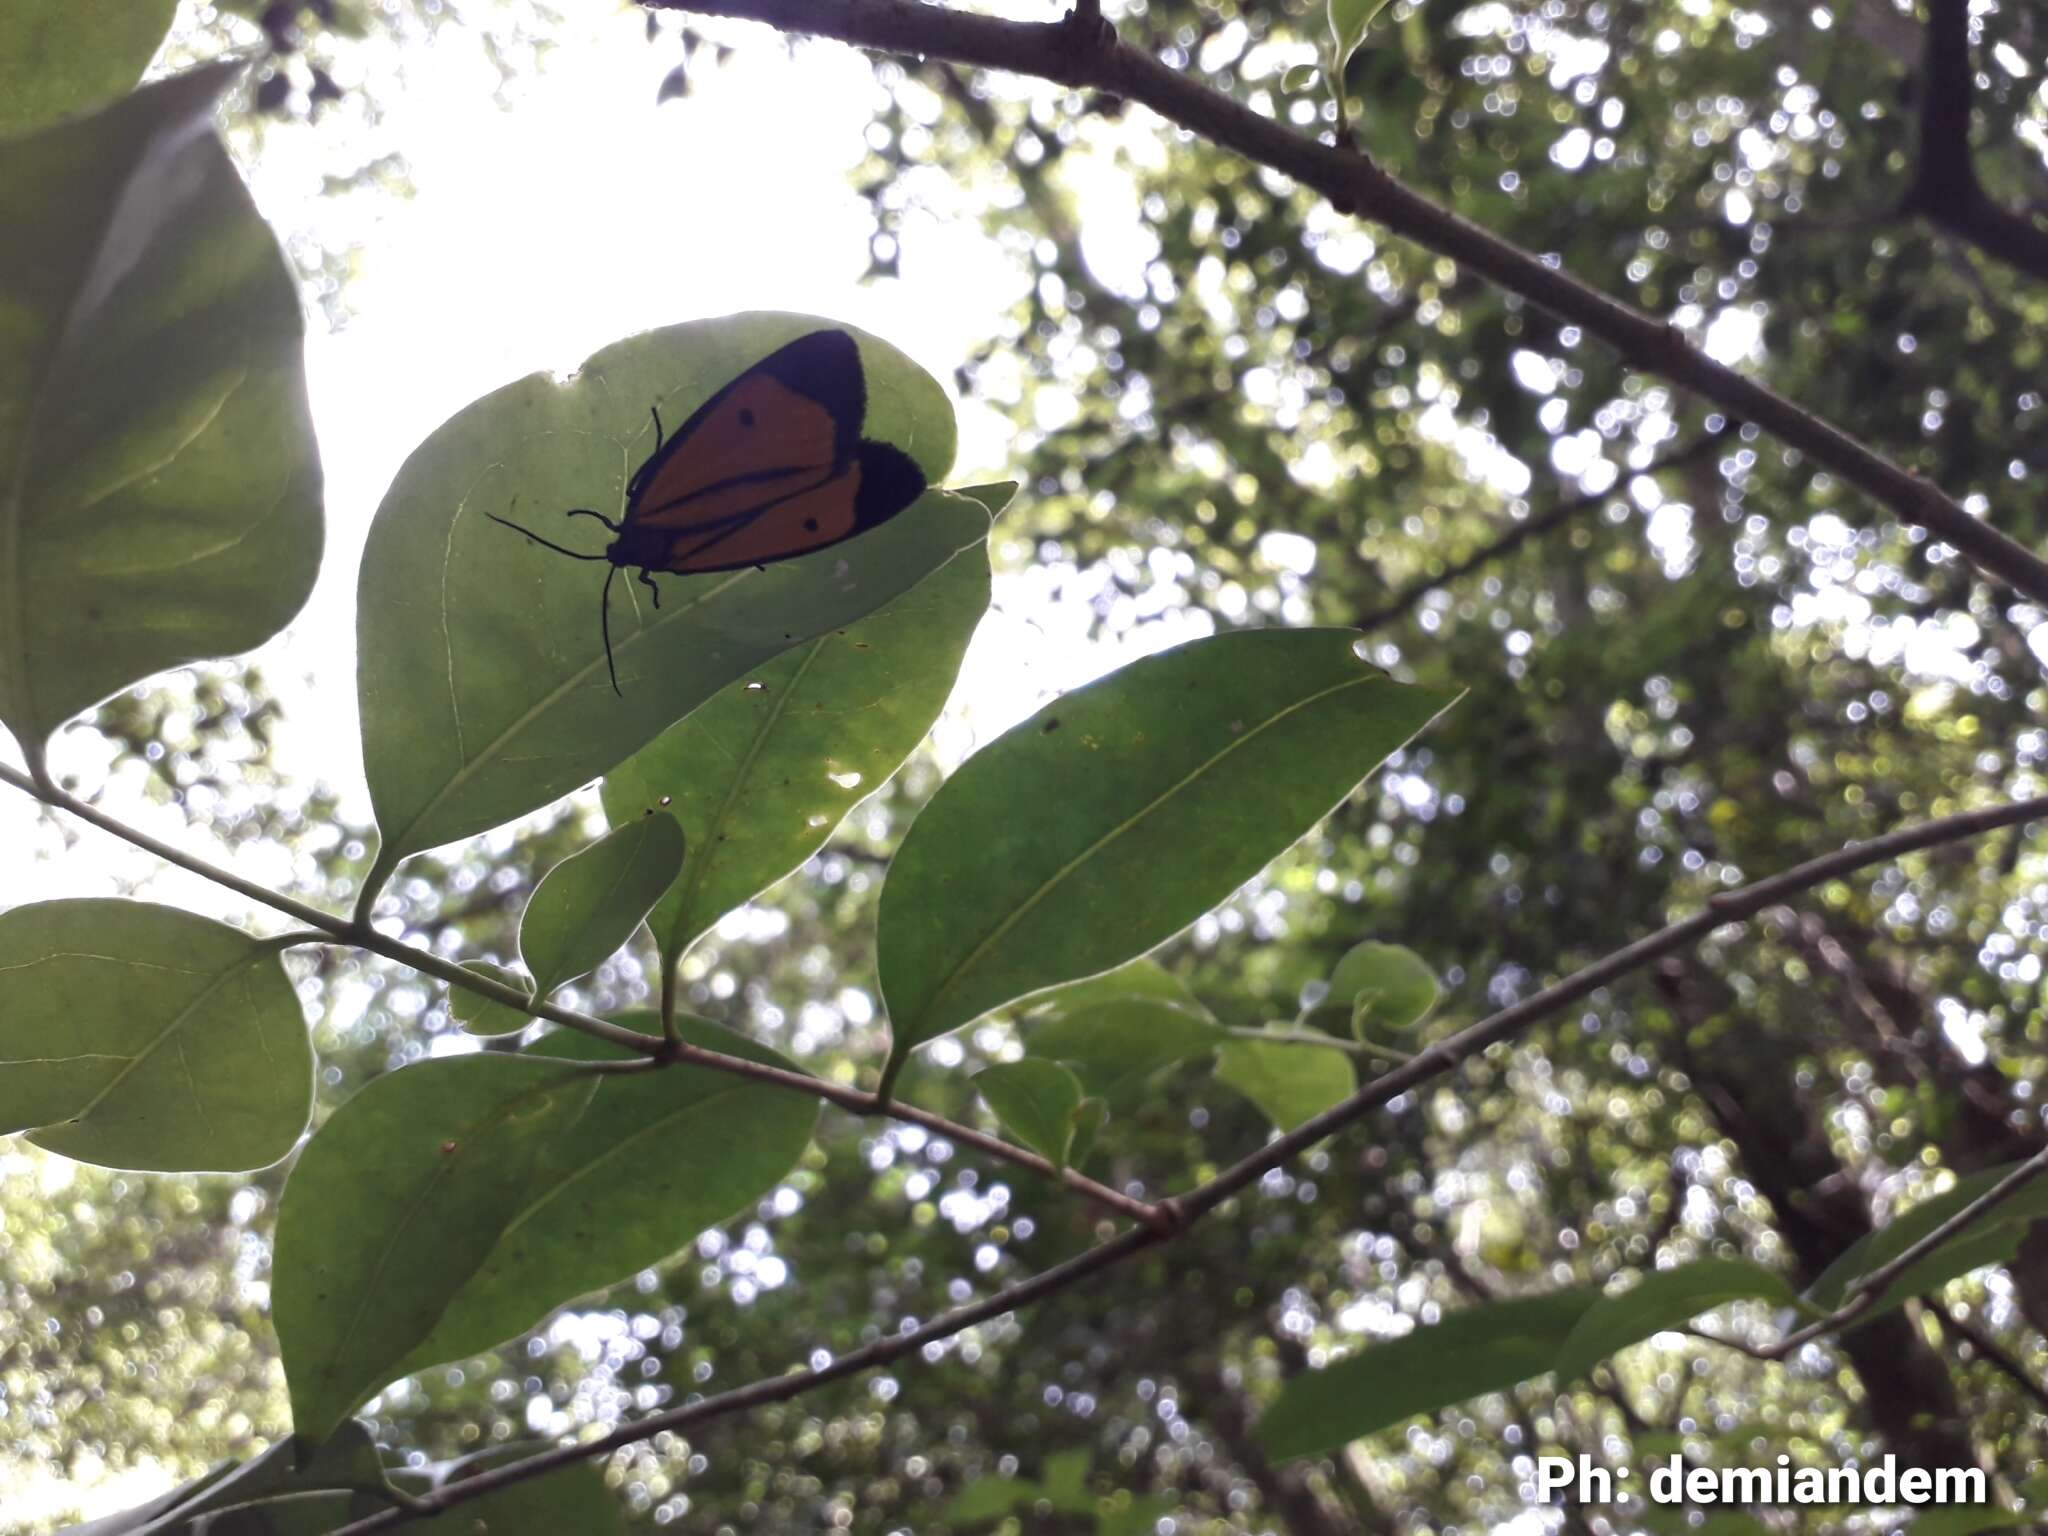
x,y
1991,1352
776,1389
1867,1292
1354,183
1182,1211
1401,602
327,928
1726,907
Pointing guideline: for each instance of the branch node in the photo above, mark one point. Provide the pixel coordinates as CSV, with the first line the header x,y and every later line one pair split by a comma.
x,y
1169,1218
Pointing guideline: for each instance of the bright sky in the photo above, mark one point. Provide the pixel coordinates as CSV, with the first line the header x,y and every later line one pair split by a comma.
x,y
547,218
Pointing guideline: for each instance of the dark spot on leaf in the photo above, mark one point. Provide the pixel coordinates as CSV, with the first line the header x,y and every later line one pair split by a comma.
x,y
1051,725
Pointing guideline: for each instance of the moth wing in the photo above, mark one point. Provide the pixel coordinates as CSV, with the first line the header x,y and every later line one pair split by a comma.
x,y
790,422
880,482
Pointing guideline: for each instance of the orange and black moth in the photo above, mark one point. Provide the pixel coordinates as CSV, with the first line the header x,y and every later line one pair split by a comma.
x,y
771,467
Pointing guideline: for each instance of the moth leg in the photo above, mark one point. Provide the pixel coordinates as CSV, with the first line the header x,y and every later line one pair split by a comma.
x,y
647,581
659,436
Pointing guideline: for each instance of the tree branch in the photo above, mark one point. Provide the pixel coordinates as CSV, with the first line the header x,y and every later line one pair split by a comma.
x,y
1401,602
1354,184
1991,1353
1182,1211
1945,190
326,928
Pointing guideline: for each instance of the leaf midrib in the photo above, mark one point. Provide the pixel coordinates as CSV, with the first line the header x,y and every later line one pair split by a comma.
x,y
177,1022
11,509
694,883
443,1168
1024,908
542,986
401,838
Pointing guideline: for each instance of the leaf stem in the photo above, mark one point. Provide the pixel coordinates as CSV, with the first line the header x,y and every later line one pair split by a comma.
x,y
1315,1037
327,928
1177,1213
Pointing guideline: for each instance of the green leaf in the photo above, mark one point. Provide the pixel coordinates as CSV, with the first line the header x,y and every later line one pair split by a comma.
x,y
1299,77
273,1494
1348,21
1116,816
989,1499
1039,1102
483,685
996,496
1375,987
59,57
482,1015
1090,1118
159,482
575,1499
1064,1479
1663,1300
140,1036
1289,1083
1129,1514
1118,1045
760,776
1479,1350
659,1157
397,1201
586,907
1993,1239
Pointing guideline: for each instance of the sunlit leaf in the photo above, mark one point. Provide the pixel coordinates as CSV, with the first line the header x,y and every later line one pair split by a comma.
x,y
1129,1514
159,484
1481,1349
1289,1083
483,686
60,57
1120,1030
1117,815
989,1498
586,907
658,1157
1992,1239
284,1491
1375,988
1299,77
482,1015
397,1201
1348,22
1039,1102
1663,1300
572,1499
140,1036
1064,1481
760,776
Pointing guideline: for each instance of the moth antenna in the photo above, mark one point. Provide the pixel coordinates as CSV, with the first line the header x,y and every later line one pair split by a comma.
x,y
604,625
544,543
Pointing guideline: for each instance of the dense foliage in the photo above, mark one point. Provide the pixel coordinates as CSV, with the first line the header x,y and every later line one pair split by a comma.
x,y
1242,420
